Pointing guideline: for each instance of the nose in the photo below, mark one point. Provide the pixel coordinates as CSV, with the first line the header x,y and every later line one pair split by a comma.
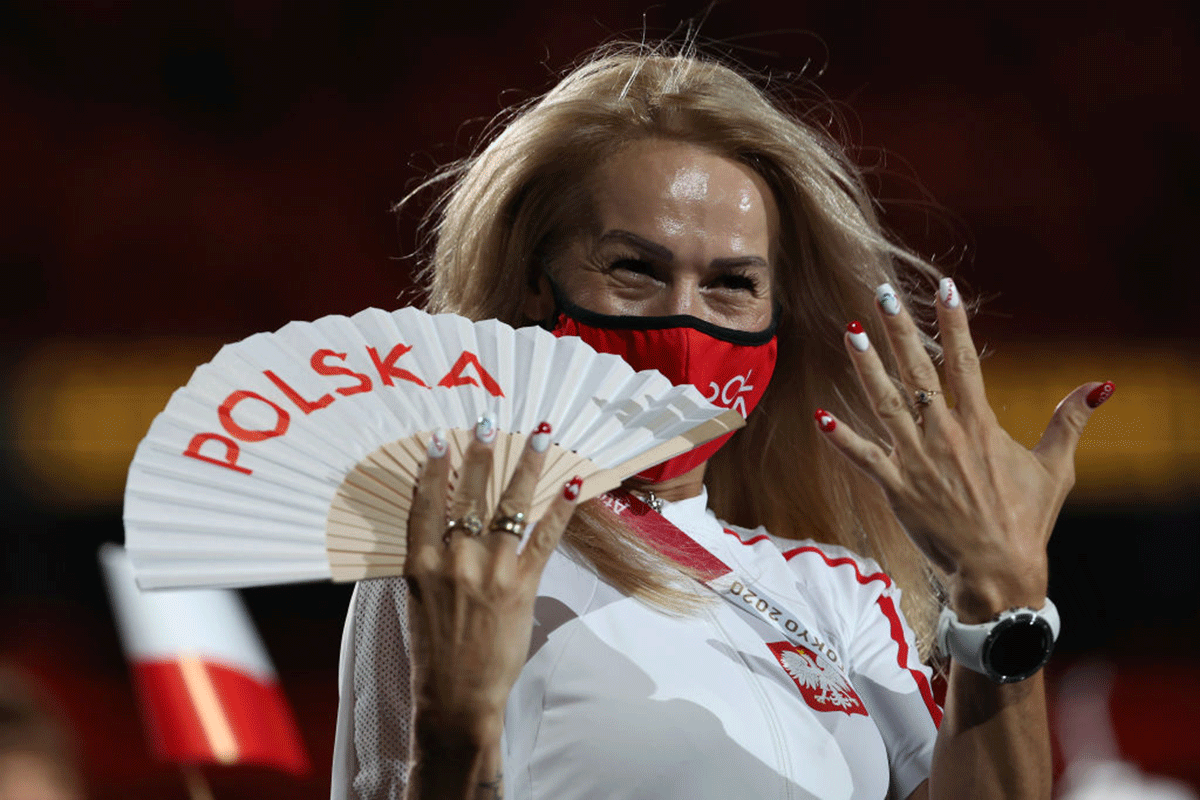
x,y
680,298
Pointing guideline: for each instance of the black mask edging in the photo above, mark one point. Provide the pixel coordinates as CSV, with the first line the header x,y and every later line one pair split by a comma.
x,y
564,307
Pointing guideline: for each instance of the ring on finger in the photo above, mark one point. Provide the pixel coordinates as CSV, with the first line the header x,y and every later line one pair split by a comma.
x,y
469,522
514,524
924,397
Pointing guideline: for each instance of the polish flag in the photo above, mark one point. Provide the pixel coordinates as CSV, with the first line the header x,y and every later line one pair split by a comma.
x,y
208,691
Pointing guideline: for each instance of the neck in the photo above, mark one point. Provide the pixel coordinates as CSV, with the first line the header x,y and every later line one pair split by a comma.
x,y
681,487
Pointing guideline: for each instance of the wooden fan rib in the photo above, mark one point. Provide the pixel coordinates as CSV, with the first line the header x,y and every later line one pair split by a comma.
x,y
347,573
348,529
347,513
379,549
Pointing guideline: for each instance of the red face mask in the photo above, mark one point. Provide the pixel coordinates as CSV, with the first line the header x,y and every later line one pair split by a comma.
x,y
730,368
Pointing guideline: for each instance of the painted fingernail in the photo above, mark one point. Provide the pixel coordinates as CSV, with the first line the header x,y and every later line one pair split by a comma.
x,y
571,490
825,420
888,300
948,293
1100,394
485,428
858,337
540,441
438,444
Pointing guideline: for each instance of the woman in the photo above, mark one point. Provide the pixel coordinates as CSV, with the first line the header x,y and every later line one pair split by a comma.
x,y
663,207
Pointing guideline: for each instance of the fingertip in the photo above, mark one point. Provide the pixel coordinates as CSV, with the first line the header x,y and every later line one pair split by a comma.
x,y
563,505
825,421
947,294
857,337
544,534
1100,393
436,451
539,442
888,300
485,429
1070,418
571,489
438,445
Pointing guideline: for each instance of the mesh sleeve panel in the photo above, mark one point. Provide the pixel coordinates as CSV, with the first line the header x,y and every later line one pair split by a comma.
x,y
383,699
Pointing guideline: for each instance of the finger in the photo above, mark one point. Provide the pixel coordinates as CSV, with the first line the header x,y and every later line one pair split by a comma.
x,y
427,518
917,370
963,373
1057,445
518,495
890,406
548,531
866,455
473,475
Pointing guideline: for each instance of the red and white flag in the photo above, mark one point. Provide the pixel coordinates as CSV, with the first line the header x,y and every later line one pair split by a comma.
x,y
208,691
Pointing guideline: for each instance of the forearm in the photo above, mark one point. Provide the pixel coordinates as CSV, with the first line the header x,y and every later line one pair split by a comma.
x,y
994,740
454,765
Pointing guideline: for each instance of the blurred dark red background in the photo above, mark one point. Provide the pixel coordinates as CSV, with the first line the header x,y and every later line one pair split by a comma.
x,y
180,175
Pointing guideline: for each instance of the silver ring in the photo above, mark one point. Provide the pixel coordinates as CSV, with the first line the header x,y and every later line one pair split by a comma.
x,y
514,525
469,522
924,397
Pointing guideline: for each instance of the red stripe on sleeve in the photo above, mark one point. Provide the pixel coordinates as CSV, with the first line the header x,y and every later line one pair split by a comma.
x,y
734,534
889,610
836,562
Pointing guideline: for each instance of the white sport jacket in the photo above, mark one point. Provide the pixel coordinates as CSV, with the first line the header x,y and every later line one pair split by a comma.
x,y
618,700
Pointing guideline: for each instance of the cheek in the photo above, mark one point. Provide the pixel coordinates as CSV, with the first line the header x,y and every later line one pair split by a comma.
x,y
760,318
588,289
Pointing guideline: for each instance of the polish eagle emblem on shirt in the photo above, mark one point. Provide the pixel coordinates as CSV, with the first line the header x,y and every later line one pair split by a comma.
x,y
822,684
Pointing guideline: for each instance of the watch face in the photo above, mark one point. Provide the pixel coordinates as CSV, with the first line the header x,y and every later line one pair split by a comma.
x,y
1017,647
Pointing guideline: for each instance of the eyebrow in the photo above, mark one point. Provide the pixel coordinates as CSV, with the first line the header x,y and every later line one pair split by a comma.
x,y
661,253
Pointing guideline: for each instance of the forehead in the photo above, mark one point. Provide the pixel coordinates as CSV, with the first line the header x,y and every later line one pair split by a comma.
x,y
665,189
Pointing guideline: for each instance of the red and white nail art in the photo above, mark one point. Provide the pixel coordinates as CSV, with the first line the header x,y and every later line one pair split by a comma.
x,y
1100,394
948,293
858,337
825,420
485,428
438,444
540,441
573,487
888,300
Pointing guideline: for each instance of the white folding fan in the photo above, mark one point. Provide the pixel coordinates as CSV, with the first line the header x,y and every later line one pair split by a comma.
x,y
292,456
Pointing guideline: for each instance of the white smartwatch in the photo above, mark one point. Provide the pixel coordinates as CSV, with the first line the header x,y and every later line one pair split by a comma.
x,y
1009,648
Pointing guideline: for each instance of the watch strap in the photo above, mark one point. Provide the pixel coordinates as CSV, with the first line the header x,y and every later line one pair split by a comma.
x,y
969,644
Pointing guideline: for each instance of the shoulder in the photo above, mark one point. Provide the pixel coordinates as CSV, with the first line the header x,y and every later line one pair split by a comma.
x,y
833,560
809,554
819,563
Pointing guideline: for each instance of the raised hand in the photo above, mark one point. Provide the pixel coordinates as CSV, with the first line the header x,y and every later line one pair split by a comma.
x,y
475,589
978,504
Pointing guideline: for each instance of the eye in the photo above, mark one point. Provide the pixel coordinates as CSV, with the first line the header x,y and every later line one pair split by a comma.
x,y
635,265
738,281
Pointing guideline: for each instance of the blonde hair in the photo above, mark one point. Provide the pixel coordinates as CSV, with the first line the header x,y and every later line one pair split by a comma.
x,y
512,205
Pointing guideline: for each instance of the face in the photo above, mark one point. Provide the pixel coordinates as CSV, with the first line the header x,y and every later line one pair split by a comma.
x,y
678,230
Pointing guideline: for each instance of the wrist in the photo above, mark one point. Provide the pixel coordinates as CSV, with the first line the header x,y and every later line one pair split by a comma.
x,y
461,760
474,734
979,595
